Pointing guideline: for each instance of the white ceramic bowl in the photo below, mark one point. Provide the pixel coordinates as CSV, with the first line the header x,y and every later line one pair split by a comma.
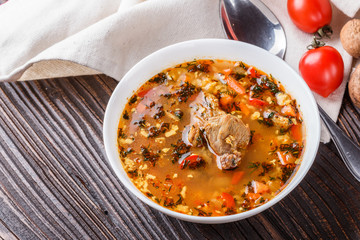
x,y
212,49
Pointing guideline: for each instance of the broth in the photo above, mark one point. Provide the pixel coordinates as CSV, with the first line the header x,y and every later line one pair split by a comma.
x,y
207,175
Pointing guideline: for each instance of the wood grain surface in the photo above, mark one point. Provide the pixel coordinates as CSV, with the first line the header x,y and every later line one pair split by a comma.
x,y
55,182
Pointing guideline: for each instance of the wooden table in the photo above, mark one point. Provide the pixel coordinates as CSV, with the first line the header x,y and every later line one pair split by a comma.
x,y
55,181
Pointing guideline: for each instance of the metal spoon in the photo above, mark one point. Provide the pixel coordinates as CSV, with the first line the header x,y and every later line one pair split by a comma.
x,y
252,22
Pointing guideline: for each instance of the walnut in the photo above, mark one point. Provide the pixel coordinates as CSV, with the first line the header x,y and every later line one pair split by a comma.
x,y
354,86
350,37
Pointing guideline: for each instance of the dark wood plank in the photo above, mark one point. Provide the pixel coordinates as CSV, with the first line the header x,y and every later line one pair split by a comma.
x,y
55,181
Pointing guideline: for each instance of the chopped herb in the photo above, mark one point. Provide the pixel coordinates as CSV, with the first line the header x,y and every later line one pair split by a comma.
x,y
160,78
179,201
203,213
238,76
186,91
148,155
257,90
230,211
271,115
121,133
126,115
262,200
133,99
273,87
167,95
266,167
269,84
294,148
123,152
179,149
284,131
154,131
159,112
196,66
133,173
255,166
242,65
266,121
264,83
287,171
168,202
140,122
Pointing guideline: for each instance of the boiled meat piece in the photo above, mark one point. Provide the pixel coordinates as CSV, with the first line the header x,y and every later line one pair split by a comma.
x,y
225,134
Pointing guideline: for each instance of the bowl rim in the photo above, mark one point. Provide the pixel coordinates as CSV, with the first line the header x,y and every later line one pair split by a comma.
x,y
111,146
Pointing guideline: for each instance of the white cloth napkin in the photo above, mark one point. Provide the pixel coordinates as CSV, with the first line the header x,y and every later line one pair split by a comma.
x,y
349,7
51,38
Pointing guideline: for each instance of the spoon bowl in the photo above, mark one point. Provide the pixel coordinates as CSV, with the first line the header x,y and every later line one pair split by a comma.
x,y
252,22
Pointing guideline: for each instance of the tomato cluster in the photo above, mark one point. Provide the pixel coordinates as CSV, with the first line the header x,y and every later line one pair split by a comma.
x,y
321,67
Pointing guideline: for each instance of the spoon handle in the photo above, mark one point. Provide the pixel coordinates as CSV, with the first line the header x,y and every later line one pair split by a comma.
x,y
349,151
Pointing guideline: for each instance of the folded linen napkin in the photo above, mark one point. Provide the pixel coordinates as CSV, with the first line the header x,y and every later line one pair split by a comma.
x,y
44,39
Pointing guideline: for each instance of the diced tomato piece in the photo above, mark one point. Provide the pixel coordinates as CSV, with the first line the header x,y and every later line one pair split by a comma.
x,y
228,199
191,161
237,176
252,72
143,93
257,102
288,110
234,85
259,187
296,133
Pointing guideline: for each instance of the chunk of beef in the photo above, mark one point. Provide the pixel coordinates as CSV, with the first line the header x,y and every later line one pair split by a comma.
x,y
229,160
278,120
226,134
204,107
196,135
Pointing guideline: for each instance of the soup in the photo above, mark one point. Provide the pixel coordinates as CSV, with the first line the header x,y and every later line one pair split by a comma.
x,y
211,138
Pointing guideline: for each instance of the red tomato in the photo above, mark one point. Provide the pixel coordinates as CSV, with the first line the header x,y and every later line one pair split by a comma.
x,y
143,93
252,72
228,200
322,69
257,102
310,15
192,161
